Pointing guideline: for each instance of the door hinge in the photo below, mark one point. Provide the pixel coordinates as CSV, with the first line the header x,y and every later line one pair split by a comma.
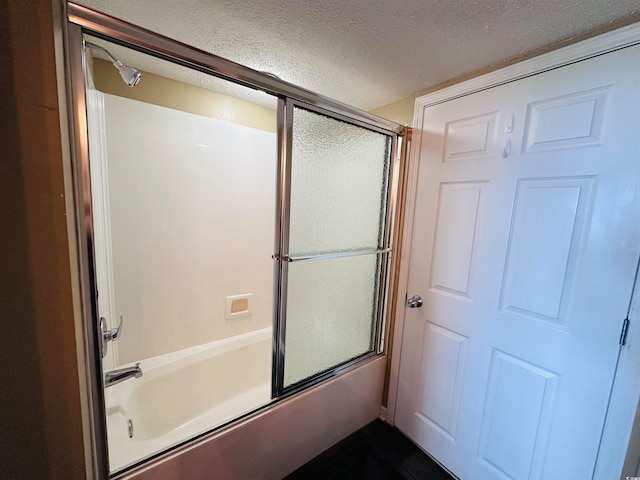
x,y
623,333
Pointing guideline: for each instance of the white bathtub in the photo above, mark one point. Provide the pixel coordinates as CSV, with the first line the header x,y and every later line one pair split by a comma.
x,y
184,393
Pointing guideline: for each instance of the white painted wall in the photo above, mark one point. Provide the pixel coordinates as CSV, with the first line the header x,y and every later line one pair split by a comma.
x,y
192,220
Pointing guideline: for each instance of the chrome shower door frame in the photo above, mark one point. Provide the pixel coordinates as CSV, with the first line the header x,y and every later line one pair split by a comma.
x,y
81,21
283,259
91,347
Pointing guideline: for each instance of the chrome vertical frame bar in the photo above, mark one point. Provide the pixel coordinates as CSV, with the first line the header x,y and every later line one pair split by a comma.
x,y
387,244
84,233
281,268
284,241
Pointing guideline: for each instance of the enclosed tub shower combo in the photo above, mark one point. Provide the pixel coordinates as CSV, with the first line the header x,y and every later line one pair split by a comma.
x,y
195,318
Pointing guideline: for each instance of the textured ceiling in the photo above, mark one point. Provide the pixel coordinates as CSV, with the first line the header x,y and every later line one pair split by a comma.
x,y
369,53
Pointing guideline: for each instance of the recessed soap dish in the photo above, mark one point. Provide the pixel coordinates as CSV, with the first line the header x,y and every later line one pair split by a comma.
x,y
239,306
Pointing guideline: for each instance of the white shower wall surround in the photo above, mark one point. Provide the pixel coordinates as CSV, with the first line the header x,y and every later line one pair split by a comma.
x,y
192,220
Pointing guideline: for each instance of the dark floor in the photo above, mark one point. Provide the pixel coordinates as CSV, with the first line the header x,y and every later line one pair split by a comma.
x,y
376,452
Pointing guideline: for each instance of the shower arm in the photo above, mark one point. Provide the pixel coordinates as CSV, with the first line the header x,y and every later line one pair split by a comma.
x,y
114,60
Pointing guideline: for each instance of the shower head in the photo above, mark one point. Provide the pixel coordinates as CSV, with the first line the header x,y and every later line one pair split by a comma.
x,y
130,75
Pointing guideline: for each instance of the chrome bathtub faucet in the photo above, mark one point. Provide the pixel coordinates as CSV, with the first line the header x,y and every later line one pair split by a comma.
x,y
121,374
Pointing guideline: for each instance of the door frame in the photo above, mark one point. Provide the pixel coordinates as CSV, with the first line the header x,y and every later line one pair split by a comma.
x,y
625,394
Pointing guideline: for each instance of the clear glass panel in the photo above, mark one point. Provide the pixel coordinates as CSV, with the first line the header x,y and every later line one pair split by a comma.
x,y
331,308
339,185
183,170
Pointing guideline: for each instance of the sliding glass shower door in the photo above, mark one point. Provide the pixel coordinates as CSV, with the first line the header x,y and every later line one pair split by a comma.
x,y
335,244
174,214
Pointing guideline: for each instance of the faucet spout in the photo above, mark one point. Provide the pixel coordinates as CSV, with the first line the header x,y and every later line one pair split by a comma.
x,y
116,376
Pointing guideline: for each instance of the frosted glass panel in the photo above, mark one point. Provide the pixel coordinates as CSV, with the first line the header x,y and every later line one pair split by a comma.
x,y
339,184
330,314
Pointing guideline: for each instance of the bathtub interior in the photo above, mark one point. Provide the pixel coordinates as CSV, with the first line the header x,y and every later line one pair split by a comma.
x,y
186,393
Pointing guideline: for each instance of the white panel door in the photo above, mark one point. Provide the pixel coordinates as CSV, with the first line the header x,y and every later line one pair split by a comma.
x,y
525,245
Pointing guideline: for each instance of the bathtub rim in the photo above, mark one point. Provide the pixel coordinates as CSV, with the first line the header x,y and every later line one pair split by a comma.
x,y
220,346
114,395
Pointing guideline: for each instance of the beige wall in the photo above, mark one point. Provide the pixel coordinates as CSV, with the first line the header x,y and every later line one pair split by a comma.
x,y
40,420
400,112
169,93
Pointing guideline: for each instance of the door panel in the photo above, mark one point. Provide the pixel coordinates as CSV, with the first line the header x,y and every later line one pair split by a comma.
x,y
568,121
517,390
540,267
469,138
526,237
456,224
441,369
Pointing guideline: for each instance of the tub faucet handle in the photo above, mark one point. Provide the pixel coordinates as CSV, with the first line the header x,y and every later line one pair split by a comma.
x,y
114,333
106,335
